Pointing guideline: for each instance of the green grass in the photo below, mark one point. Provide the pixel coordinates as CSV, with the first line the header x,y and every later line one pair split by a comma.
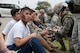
x,y
66,44
56,43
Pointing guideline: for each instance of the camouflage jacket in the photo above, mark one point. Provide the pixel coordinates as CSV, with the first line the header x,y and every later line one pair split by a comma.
x,y
33,28
76,35
56,20
67,25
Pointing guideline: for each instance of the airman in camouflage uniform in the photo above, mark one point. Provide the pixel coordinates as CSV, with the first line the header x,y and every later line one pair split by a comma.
x,y
66,24
76,35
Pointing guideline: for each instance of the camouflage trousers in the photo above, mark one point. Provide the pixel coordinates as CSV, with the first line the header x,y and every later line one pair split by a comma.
x,y
71,49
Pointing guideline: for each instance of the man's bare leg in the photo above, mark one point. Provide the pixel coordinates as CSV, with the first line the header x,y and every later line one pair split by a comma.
x,y
44,43
2,43
3,48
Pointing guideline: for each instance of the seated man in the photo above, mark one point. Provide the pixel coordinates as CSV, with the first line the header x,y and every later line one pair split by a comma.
x,y
20,38
40,32
16,17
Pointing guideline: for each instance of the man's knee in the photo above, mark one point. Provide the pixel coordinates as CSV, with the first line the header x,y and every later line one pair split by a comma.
x,y
34,39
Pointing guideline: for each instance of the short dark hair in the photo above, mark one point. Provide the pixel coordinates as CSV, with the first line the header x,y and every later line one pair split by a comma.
x,y
32,10
25,8
14,11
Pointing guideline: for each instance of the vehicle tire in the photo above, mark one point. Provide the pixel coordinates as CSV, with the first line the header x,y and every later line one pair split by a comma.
x,y
0,15
0,23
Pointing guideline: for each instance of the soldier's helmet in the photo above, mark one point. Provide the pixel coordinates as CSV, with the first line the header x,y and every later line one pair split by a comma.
x,y
50,10
58,7
42,10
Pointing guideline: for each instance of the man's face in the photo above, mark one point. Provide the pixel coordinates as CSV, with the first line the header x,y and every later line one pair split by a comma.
x,y
17,16
63,13
26,16
33,15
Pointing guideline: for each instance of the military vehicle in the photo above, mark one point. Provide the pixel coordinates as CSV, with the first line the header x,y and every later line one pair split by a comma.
x,y
74,5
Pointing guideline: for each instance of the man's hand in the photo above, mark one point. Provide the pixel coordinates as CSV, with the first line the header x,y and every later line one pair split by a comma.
x,y
44,32
55,29
33,34
11,51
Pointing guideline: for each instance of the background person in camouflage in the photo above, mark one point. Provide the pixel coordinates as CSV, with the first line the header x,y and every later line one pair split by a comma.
x,y
43,17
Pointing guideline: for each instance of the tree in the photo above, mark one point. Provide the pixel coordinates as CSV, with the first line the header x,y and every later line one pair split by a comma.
x,y
42,5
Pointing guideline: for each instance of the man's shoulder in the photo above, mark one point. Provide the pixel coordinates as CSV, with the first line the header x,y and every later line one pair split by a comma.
x,y
18,25
12,22
69,14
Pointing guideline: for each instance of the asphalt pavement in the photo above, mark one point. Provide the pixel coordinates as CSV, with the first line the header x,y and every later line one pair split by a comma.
x,y
4,22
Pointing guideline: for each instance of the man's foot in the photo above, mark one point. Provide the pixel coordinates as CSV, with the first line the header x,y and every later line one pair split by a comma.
x,y
53,51
63,49
55,47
